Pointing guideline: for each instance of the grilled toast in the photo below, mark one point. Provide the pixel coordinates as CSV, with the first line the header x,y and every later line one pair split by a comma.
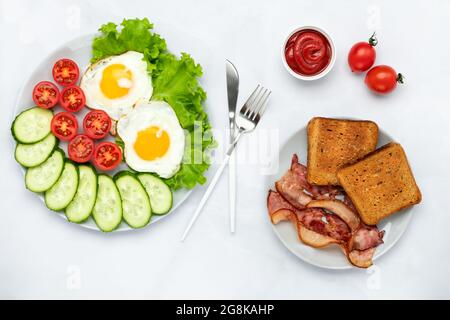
x,y
380,184
333,143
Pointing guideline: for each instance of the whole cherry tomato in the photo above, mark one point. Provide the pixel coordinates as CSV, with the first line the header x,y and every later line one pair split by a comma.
x,y
362,55
383,79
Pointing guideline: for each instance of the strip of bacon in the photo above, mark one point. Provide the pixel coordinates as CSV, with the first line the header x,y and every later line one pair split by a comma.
x,y
365,238
314,239
349,203
318,192
340,209
361,259
292,187
279,209
328,225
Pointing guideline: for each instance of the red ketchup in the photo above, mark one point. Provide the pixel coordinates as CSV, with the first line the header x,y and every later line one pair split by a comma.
x,y
308,52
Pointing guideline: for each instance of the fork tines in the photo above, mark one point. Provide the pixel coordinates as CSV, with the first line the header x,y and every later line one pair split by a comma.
x,y
255,105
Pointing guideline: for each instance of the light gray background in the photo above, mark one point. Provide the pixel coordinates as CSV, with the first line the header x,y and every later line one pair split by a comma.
x,y
42,256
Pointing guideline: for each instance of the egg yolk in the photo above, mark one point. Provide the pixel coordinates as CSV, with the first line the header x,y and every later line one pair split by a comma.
x,y
116,81
151,143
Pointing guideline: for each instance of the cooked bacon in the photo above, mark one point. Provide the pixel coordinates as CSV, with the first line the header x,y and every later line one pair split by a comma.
x,y
325,224
314,239
291,186
279,209
319,218
361,259
349,203
318,192
365,238
340,209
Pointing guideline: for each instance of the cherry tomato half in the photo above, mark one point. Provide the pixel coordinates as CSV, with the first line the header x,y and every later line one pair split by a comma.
x,y
362,55
383,79
107,156
65,72
72,98
96,124
64,126
45,95
81,148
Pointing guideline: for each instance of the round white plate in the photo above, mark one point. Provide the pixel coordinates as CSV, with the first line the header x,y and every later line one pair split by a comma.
x,y
80,50
330,257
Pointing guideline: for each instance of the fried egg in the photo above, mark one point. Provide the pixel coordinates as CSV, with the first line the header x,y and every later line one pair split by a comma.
x,y
153,137
115,84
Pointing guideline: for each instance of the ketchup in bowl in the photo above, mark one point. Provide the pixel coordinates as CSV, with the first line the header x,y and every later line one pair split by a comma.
x,y
308,52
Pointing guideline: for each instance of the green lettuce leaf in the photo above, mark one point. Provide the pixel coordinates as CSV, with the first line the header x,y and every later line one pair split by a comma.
x,y
132,35
175,80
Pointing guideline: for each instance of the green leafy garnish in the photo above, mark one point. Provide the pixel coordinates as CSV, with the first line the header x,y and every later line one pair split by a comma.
x,y
132,35
175,80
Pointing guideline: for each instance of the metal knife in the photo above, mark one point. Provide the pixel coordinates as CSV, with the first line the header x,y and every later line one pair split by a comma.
x,y
232,91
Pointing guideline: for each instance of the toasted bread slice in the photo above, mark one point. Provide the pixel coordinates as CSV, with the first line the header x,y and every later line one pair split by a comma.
x,y
380,184
333,143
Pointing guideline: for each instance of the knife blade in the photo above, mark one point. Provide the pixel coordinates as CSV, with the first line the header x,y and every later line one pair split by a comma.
x,y
232,92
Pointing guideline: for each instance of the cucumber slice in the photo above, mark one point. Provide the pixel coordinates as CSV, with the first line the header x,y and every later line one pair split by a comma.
x,y
44,176
107,210
32,125
59,196
159,193
82,204
31,155
135,202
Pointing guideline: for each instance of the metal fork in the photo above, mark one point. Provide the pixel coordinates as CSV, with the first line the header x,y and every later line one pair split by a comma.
x,y
247,120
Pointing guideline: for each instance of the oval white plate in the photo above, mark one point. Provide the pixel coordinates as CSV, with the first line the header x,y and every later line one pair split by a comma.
x,y
79,50
330,257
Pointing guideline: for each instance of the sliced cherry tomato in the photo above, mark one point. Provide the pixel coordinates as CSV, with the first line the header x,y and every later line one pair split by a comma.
x,y
81,148
96,124
383,79
72,98
362,55
107,156
65,72
64,126
45,94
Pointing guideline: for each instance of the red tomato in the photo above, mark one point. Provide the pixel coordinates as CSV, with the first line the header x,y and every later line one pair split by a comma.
x,y
362,55
72,98
107,156
65,72
96,124
45,95
64,126
81,148
382,79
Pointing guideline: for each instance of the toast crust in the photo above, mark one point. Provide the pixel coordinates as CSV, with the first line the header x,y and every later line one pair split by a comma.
x,y
334,143
380,184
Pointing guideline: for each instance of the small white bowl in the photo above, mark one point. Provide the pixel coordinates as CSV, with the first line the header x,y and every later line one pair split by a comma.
x,y
324,71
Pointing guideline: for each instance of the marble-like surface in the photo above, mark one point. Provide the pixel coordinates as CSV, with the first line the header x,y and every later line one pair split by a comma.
x,y
45,257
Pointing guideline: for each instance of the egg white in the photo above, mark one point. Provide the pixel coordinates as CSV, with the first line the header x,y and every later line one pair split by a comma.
x,y
143,116
140,90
